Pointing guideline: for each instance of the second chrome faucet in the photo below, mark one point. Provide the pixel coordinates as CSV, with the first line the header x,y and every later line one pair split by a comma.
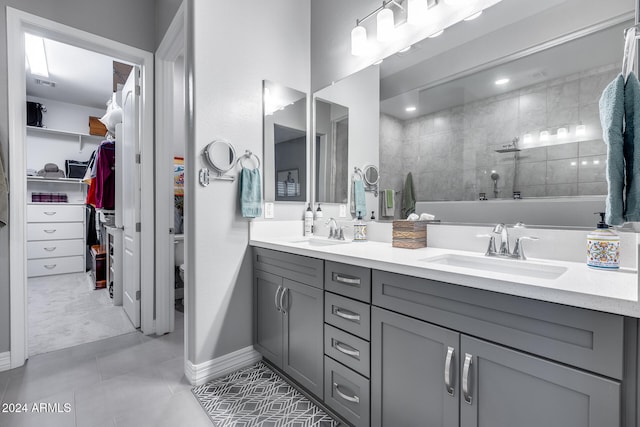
x,y
504,250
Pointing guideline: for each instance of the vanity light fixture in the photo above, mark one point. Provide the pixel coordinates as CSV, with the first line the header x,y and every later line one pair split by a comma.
x,y
581,130
474,16
527,138
502,81
358,41
36,55
563,133
385,24
544,136
410,109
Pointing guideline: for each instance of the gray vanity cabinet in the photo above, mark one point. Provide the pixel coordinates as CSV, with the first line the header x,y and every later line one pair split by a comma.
x,y
289,316
409,359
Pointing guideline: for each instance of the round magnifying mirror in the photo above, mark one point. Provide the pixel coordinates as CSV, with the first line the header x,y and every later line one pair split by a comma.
x,y
371,175
220,155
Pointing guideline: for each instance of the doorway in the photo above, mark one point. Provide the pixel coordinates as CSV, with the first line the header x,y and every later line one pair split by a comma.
x,y
19,23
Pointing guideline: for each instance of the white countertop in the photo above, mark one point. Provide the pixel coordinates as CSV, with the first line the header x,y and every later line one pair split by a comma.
x,y
613,291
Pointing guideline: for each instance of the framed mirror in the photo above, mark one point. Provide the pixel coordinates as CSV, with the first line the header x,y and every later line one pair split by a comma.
x,y
331,152
285,143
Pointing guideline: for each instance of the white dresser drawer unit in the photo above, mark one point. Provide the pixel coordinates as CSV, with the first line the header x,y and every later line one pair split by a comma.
x,y
54,212
55,231
49,266
55,248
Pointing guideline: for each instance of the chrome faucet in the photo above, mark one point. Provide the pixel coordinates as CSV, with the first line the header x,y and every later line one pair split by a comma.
x,y
333,228
504,251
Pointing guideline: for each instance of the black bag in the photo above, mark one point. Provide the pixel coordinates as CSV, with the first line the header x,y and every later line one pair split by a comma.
x,y
34,114
75,168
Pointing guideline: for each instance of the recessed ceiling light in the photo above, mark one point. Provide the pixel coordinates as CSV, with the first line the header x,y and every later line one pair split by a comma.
x,y
406,49
410,109
474,16
501,82
439,33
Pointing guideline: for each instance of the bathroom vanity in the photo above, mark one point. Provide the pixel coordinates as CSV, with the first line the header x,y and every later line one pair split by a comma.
x,y
391,339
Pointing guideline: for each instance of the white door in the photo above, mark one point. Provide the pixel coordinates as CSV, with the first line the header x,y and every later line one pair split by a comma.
x,y
130,146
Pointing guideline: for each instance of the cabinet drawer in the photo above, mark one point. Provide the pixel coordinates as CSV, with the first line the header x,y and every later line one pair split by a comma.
x,y
583,338
48,266
347,349
348,280
55,248
53,212
295,267
347,314
55,231
346,392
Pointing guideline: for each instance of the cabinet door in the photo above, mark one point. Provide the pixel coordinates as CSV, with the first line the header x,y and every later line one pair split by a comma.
x,y
269,337
507,388
303,343
410,362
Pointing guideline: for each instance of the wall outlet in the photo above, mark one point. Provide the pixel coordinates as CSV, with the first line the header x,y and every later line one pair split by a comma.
x,y
343,211
268,210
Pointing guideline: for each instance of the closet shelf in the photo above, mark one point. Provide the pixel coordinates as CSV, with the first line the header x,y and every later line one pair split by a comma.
x,y
56,180
76,135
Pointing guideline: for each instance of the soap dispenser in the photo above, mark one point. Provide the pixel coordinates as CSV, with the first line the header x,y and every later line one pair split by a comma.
x,y
319,214
360,229
603,246
308,221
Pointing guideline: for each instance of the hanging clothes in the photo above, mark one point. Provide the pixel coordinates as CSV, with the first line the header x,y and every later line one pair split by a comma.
x,y
105,182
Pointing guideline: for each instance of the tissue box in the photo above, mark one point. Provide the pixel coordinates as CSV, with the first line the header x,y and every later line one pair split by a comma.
x,y
409,234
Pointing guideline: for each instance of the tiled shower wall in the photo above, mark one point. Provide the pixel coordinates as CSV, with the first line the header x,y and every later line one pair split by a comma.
x,y
451,154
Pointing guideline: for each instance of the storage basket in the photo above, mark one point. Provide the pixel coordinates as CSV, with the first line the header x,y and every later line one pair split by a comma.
x,y
409,234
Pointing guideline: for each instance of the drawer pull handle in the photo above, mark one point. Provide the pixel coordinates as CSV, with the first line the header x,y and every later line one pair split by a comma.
x,y
346,314
50,266
276,301
50,231
354,398
353,281
448,372
346,349
50,213
51,249
468,360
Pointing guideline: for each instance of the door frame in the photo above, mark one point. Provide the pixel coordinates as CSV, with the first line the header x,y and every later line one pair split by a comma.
x,y
17,23
171,48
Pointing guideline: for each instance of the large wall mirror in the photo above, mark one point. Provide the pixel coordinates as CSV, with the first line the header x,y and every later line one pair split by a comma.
x,y
331,151
524,125
285,143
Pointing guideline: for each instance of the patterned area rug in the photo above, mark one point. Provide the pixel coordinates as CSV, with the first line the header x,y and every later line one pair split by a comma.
x,y
257,396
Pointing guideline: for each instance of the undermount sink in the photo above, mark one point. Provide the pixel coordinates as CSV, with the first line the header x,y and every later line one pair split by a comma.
x,y
498,265
319,241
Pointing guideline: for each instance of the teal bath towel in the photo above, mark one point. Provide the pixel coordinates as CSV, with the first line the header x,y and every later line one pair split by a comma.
x,y
612,117
631,153
359,198
408,197
250,193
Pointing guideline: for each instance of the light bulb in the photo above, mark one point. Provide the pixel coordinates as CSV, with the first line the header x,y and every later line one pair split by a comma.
x,y
581,130
562,133
417,12
544,136
386,26
527,138
358,41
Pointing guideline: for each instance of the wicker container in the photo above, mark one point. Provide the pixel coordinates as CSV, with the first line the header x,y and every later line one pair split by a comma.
x,y
96,127
409,234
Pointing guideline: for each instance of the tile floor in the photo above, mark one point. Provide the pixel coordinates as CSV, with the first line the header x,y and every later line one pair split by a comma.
x,y
129,380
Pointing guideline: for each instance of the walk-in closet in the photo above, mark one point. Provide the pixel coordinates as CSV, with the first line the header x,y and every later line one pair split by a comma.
x,y
74,203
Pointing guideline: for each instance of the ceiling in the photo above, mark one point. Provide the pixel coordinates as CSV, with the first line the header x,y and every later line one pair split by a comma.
x,y
81,77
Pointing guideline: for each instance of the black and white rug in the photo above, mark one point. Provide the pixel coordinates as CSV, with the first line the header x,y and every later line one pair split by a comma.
x,y
257,396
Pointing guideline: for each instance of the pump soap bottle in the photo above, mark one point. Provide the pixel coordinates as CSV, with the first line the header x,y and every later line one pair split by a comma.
x,y
603,246
360,229
319,212
308,221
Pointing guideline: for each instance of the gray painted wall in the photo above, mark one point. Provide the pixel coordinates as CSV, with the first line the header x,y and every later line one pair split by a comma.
x,y
132,23
236,46
165,11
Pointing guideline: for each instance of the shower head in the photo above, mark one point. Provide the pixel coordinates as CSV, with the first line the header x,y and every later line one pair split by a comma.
x,y
495,176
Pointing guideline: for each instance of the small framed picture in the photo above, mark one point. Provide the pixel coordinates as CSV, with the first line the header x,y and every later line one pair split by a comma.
x,y
287,183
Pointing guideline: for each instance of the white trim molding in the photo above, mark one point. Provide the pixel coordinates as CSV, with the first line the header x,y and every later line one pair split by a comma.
x,y
5,361
204,372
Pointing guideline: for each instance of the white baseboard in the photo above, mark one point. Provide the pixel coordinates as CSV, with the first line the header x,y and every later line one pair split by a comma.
x,y
206,371
5,361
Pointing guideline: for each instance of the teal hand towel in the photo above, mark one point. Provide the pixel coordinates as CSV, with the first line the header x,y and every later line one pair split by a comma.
x,y
250,193
359,197
611,117
4,198
408,197
631,152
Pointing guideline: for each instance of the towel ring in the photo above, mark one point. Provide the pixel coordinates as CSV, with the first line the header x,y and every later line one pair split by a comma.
x,y
249,155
